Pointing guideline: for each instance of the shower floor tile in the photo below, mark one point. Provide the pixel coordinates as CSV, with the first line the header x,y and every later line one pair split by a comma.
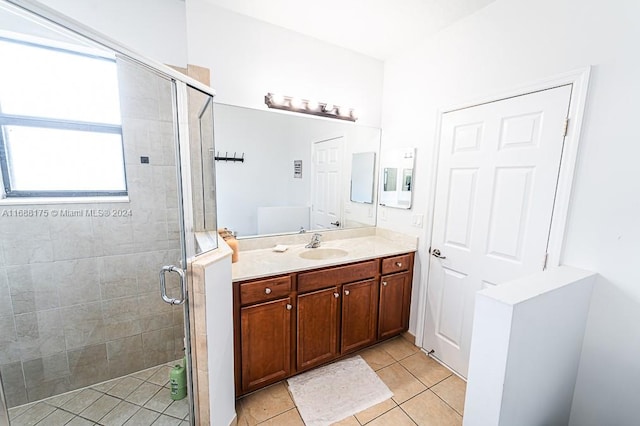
x,y
141,398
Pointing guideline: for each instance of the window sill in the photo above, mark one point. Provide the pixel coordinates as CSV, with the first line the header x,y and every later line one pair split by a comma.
x,y
22,201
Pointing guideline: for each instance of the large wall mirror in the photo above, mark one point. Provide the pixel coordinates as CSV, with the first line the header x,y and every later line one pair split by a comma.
x,y
396,178
295,172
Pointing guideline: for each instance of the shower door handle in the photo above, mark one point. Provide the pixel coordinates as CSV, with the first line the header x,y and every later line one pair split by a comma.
x,y
163,285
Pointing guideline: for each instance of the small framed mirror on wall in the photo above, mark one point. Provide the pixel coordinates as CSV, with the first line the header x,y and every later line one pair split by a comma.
x,y
396,177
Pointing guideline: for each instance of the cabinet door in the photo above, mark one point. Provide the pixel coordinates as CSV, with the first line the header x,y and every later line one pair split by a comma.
x,y
265,343
317,327
359,314
395,294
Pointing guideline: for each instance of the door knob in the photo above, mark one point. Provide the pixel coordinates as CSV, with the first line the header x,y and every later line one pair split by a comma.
x,y
436,253
336,223
336,295
346,292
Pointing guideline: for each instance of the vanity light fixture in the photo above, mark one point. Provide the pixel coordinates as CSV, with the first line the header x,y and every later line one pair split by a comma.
x,y
304,106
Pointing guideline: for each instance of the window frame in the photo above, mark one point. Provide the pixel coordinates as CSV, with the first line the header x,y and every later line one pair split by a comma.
x,y
61,124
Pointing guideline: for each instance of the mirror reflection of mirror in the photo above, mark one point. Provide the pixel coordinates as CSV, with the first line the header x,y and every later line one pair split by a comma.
x,y
363,175
262,196
395,189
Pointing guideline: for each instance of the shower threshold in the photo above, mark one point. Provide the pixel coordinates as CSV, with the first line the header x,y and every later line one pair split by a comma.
x,y
140,398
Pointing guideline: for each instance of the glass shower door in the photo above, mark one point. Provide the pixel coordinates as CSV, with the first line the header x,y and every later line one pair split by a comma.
x,y
84,332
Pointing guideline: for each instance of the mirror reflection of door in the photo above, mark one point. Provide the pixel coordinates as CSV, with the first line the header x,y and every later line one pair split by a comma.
x,y
326,207
406,179
390,177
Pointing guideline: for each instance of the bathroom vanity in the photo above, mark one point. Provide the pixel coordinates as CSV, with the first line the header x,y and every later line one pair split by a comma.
x,y
319,307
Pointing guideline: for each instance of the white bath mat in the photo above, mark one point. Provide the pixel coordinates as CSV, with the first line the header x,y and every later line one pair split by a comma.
x,y
334,392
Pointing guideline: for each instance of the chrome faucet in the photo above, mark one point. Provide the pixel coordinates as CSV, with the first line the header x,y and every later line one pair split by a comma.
x,y
315,241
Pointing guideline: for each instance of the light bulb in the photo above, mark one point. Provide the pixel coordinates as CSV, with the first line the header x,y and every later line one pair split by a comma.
x,y
312,105
328,108
344,111
277,99
295,103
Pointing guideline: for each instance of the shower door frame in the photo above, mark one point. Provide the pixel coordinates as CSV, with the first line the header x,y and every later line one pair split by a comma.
x,y
180,85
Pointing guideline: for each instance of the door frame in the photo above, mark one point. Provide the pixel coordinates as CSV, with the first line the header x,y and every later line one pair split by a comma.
x,y
579,78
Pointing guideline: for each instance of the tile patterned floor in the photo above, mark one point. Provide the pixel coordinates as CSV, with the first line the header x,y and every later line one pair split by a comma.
x,y
139,399
424,393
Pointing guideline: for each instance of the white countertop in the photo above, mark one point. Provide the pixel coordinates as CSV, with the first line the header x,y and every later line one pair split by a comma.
x,y
265,262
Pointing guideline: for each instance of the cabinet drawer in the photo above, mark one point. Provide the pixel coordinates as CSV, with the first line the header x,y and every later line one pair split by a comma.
x,y
263,290
396,264
316,280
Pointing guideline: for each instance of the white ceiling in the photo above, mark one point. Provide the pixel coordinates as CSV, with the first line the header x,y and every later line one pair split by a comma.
x,y
377,28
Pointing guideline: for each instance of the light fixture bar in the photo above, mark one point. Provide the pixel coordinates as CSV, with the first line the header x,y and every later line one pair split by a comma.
x,y
304,106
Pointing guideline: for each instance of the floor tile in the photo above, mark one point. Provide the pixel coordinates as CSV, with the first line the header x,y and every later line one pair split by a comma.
x,y
82,400
167,421
160,401
60,400
120,414
178,409
143,417
33,415
377,357
395,417
399,348
425,369
452,391
427,409
288,418
265,404
377,410
79,421
57,418
161,376
125,387
16,411
349,421
106,386
143,393
100,408
145,374
400,382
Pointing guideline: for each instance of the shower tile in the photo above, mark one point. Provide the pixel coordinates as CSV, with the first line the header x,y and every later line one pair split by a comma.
x,y
167,421
158,346
126,365
121,309
144,393
178,409
124,347
60,400
6,307
118,330
9,347
41,370
40,334
115,233
72,238
33,415
57,418
83,325
100,408
125,387
14,386
152,303
118,276
146,270
25,250
82,400
77,281
31,288
160,401
161,376
48,388
87,365
143,417
120,414
79,421
156,322
104,387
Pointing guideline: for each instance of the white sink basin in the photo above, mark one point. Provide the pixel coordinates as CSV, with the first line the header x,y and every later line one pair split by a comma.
x,y
323,253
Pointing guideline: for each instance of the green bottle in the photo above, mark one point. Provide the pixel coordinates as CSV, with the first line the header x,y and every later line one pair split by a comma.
x,y
178,381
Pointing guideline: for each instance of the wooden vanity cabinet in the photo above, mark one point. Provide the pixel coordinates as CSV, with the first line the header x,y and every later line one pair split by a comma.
x,y
291,323
395,295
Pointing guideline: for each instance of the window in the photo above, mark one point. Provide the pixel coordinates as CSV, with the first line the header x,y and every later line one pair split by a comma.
x,y
60,124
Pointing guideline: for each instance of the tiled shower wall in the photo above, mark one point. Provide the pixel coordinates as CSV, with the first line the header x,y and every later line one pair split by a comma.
x,y
79,295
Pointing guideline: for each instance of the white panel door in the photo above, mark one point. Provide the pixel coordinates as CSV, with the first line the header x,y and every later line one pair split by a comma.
x,y
326,192
496,182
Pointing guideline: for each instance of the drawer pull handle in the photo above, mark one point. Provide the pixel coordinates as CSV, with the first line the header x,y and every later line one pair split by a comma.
x,y
336,295
346,292
267,290
289,307
399,264
384,283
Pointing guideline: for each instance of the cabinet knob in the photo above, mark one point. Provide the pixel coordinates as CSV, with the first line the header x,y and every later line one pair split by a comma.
x,y
384,283
267,290
336,295
399,264
289,307
346,292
